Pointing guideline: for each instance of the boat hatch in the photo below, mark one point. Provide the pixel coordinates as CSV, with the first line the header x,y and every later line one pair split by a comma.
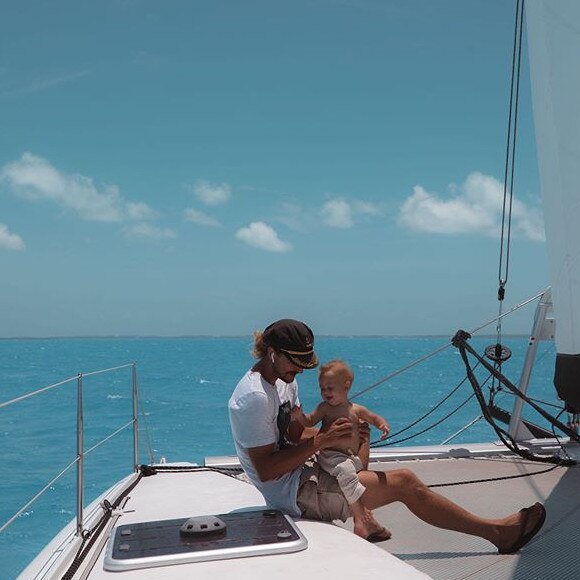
x,y
199,539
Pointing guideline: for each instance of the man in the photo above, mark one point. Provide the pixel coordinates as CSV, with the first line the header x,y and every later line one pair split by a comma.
x,y
274,460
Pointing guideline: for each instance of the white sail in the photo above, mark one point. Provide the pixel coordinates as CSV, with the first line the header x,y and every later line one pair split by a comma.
x,y
554,53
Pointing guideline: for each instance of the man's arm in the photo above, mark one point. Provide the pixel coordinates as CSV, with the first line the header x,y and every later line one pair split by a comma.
x,y
271,463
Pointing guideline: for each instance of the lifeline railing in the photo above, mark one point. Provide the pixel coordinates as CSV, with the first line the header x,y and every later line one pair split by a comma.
x,y
81,452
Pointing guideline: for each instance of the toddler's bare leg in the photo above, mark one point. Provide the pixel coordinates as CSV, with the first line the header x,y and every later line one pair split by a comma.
x,y
365,524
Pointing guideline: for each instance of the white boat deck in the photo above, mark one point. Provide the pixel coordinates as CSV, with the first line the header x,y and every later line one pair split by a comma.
x,y
416,550
182,495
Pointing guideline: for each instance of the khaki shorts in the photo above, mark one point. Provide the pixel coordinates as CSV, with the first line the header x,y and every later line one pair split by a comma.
x,y
319,496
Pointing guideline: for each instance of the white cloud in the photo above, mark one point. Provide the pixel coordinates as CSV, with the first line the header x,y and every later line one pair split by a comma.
x,y
34,178
140,211
476,208
366,208
10,241
262,236
340,213
200,218
144,230
337,213
212,194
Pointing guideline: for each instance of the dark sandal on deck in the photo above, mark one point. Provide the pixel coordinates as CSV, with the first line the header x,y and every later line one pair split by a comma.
x,y
380,536
527,536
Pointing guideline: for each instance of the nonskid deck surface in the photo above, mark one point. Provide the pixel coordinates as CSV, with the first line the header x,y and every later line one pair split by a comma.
x,y
446,555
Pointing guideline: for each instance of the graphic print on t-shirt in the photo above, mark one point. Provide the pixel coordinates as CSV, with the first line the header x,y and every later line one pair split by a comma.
x,y
282,421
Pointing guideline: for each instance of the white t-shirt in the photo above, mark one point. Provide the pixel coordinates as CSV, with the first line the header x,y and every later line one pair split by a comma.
x,y
259,415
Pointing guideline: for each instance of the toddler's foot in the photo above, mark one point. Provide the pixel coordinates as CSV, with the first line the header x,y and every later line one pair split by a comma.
x,y
381,535
368,528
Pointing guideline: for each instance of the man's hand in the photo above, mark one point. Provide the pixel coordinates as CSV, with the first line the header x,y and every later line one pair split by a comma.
x,y
271,463
338,430
297,414
295,431
364,433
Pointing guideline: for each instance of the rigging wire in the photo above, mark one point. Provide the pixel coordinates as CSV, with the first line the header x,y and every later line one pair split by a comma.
x,y
381,443
460,341
536,400
548,350
147,432
564,452
90,536
491,479
501,353
444,347
503,270
432,410
464,428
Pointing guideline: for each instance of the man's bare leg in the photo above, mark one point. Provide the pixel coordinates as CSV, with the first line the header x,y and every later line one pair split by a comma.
x,y
404,486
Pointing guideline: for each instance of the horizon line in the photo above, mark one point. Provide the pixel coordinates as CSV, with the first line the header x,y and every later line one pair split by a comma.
x,y
320,335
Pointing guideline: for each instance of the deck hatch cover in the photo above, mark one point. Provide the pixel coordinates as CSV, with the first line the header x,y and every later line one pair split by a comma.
x,y
160,543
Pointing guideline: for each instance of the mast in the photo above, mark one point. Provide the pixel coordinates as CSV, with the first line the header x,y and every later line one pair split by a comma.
x,y
554,53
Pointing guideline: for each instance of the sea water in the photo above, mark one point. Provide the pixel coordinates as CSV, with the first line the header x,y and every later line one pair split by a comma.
x,y
184,386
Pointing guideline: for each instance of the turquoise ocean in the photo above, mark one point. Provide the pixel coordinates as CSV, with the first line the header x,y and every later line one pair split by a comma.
x,y
184,386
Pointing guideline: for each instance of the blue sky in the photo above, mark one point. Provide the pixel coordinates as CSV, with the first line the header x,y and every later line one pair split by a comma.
x,y
194,167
